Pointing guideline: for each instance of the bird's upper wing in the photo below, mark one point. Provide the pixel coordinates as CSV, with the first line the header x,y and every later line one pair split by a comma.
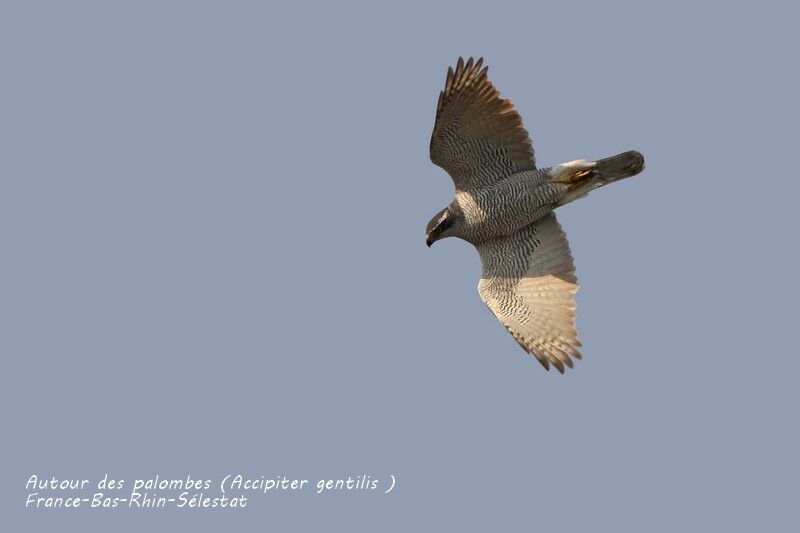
x,y
478,137
529,283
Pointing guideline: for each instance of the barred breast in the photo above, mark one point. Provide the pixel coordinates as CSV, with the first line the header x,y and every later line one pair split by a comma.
x,y
509,205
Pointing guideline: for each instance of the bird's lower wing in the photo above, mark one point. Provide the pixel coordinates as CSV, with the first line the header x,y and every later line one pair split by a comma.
x,y
529,283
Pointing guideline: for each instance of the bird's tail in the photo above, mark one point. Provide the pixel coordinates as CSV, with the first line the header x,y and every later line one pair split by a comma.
x,y
585,176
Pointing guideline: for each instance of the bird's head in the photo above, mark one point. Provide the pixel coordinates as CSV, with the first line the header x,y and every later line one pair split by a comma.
x,y
443,224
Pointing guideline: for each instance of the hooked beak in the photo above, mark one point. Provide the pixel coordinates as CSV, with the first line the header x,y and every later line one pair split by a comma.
x,y
428,240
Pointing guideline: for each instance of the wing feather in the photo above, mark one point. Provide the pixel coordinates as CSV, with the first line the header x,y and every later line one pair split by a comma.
x,y
529,283
478,137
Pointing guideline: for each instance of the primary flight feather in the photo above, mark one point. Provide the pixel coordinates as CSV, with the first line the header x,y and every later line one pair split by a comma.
x,y
504,206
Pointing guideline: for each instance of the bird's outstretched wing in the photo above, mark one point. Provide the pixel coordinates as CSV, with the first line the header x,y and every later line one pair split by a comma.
x,y
478,137
529,283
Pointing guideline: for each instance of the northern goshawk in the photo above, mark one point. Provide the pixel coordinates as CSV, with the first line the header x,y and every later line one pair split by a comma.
x,y
504,206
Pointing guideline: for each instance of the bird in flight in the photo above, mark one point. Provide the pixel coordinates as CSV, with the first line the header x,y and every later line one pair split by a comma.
x,y
504,206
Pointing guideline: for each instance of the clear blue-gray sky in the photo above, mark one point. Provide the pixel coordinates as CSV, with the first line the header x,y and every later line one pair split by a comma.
x,y
212,226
